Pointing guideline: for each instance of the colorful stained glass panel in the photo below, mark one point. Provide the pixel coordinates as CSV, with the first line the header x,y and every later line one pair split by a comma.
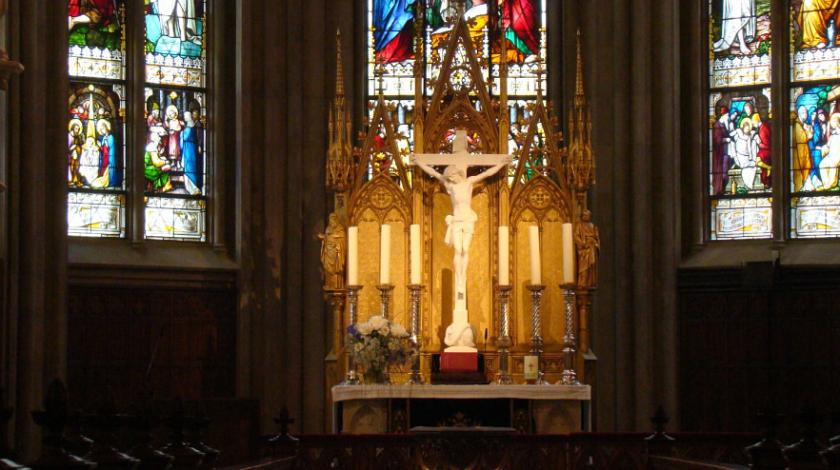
x,y
95,214
522,24
176,42
739,42
174,157
439,15
816,216
816,54
815,139
741,218
96,38
173,218
95,137
391,45
740,157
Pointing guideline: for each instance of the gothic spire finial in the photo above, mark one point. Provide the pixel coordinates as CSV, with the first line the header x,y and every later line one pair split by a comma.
x,y
339,66
540,73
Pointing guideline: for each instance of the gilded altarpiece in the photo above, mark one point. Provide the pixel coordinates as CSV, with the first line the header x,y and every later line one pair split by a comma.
x,y
374,184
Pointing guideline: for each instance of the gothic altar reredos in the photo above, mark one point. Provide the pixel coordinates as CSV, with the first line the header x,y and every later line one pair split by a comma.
x,y
546,185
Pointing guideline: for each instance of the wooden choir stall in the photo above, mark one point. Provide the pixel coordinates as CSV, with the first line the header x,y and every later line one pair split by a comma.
x,y
477,242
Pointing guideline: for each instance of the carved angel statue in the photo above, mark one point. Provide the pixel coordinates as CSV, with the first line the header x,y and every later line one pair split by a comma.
x,y
587,244
333,249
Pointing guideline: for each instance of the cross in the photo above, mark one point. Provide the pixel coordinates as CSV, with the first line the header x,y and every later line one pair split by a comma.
x,y
460,156
284,420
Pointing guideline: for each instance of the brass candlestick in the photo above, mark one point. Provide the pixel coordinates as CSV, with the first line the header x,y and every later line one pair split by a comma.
x,y
536,329
352,378
416,291
503,342
569,376
385,293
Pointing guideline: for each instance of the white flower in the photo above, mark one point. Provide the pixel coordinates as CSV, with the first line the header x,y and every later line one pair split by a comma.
x,y
377,322
384,330
398,330
364,328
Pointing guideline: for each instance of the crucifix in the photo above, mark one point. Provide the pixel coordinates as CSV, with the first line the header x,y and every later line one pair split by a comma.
x,y
461,223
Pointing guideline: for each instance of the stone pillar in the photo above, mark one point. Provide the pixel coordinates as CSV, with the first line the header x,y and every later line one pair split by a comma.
x,y
35,226
631,69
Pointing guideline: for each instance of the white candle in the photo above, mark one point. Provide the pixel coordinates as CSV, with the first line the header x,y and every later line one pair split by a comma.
x,y
353,256
534,239
385,254
568,255
416,272
504,256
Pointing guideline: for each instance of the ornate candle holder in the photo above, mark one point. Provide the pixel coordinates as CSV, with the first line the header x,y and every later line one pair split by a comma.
x,y
352,378
416,291
569,376
385,293
503,342
536,329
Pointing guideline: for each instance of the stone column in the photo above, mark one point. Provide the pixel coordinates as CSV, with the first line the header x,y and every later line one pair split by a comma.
x,y
631,68
35,217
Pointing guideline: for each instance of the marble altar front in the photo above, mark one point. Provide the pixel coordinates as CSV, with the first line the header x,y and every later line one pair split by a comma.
x,y
541,409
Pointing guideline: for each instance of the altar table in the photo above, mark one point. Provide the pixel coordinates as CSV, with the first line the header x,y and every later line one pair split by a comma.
x,y
540,409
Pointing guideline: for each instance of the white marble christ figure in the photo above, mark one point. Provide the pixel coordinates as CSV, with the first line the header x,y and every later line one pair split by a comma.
x,y
461,223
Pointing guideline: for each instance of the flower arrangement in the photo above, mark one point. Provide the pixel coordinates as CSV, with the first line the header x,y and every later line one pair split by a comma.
x,y
377,344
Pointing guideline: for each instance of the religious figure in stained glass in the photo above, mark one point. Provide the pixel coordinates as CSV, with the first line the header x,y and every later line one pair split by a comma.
x,y
741,147
521,28
816,139
174,155
174,27
157,168
191,155
740,42
393,22
816,55
737,27
93,23
93,159
95,38
476,15
817,20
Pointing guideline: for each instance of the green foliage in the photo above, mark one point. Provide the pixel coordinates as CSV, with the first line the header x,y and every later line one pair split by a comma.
x,y
107,37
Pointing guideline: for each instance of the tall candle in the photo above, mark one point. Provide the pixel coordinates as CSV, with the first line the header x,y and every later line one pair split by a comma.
x,y
504,256
385,254
416,272
353,256
568,255
534,242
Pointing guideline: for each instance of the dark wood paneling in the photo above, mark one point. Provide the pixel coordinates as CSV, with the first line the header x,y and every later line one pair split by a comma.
x,y
754,338
186,333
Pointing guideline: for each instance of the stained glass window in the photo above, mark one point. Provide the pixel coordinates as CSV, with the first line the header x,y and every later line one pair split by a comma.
x,y
740,120
95,157
815,119
393,29
742,168
174,158
96,38
175,42
174,151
